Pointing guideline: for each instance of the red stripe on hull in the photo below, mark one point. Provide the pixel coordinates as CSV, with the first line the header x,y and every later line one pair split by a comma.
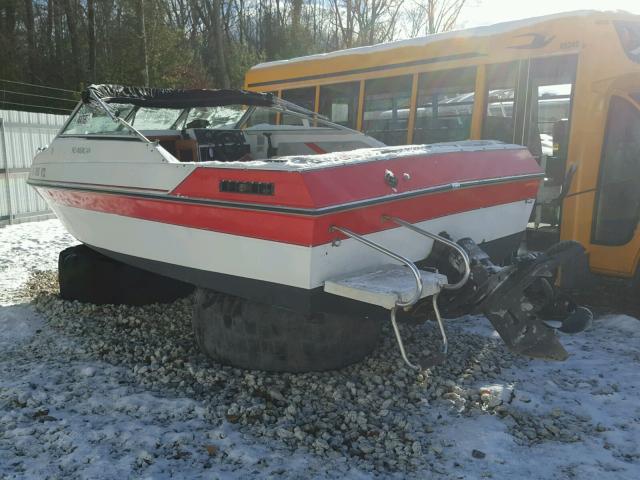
x,y
324,187
305,230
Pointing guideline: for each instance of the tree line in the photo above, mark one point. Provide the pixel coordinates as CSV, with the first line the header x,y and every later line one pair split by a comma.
x,y
193,43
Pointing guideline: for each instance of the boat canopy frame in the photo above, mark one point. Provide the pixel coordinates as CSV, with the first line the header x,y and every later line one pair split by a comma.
x,y
189,98
100,96
175,98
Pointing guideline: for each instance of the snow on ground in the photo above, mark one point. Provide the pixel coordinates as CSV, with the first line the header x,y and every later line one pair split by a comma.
x,y
599,384
27,247
120,392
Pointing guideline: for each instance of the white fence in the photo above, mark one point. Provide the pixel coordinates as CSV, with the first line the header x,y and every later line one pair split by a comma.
x,y
21,133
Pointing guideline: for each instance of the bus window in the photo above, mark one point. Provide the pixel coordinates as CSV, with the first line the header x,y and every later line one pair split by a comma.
x,y
386,109
552,106
618,198
303,97
550,86
261,116
499,115
445,105
287,119
339,103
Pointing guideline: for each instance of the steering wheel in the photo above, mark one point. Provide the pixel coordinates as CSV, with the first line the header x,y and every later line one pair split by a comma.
x,y
227,142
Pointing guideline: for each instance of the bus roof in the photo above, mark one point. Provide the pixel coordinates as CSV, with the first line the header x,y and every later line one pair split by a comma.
x,y
476,32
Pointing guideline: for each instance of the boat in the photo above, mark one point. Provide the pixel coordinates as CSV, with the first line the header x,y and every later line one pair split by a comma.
x,y
252,198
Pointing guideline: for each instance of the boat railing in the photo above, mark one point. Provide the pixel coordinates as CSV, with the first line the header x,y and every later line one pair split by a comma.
x,y
438,238
437,359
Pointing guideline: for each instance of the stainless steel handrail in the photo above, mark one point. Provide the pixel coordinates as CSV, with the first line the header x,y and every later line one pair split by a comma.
x,y
443,334
446,241
403,352
399,258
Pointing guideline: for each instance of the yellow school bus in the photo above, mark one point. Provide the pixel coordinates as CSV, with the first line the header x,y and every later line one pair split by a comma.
x,y
567,86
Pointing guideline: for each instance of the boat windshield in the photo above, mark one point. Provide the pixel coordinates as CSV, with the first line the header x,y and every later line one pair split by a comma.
x,y
241,116
215,117
94,120
146,118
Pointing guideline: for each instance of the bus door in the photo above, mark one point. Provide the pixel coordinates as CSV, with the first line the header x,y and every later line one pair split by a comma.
x,y
544,124
529,103
614,243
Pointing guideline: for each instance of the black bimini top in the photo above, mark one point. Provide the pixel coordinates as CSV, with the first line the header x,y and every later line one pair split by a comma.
x,y
175,98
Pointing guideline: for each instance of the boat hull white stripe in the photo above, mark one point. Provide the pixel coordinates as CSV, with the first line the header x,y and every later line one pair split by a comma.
x,y
482,225
202,249
285,264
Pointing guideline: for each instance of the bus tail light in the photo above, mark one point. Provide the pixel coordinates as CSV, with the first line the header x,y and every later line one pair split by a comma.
x,y
629,34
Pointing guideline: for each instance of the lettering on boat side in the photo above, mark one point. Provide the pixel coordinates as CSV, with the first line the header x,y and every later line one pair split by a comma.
x,y
254,188
81,150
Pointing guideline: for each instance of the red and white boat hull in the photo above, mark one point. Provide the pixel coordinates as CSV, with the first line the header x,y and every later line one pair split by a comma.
x,y
289,264
277,246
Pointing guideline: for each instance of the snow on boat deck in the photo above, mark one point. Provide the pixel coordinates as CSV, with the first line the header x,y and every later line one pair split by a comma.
x,y
334,159
72,405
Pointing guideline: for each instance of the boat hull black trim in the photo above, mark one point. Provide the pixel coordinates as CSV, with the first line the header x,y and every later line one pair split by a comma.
x,y
284,296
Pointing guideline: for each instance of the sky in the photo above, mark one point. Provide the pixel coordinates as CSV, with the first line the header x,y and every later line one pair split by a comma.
x,y
487,12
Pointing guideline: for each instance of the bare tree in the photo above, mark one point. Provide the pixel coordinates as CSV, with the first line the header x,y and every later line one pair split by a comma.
x,y
143,37
433,16
376,20
194,42
364,22
72,14
49,28
31,39
296,11
216,10
209,12
91,34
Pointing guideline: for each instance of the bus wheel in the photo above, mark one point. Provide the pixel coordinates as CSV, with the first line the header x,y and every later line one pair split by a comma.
x,y
251,335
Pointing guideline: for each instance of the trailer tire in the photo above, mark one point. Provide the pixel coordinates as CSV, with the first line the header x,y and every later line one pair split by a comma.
x,y
246,334
91,277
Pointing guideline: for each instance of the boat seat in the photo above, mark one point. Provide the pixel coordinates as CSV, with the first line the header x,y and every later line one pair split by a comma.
x,y
187,150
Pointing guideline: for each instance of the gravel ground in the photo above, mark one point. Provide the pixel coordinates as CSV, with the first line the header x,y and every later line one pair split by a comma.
x,y
114,391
